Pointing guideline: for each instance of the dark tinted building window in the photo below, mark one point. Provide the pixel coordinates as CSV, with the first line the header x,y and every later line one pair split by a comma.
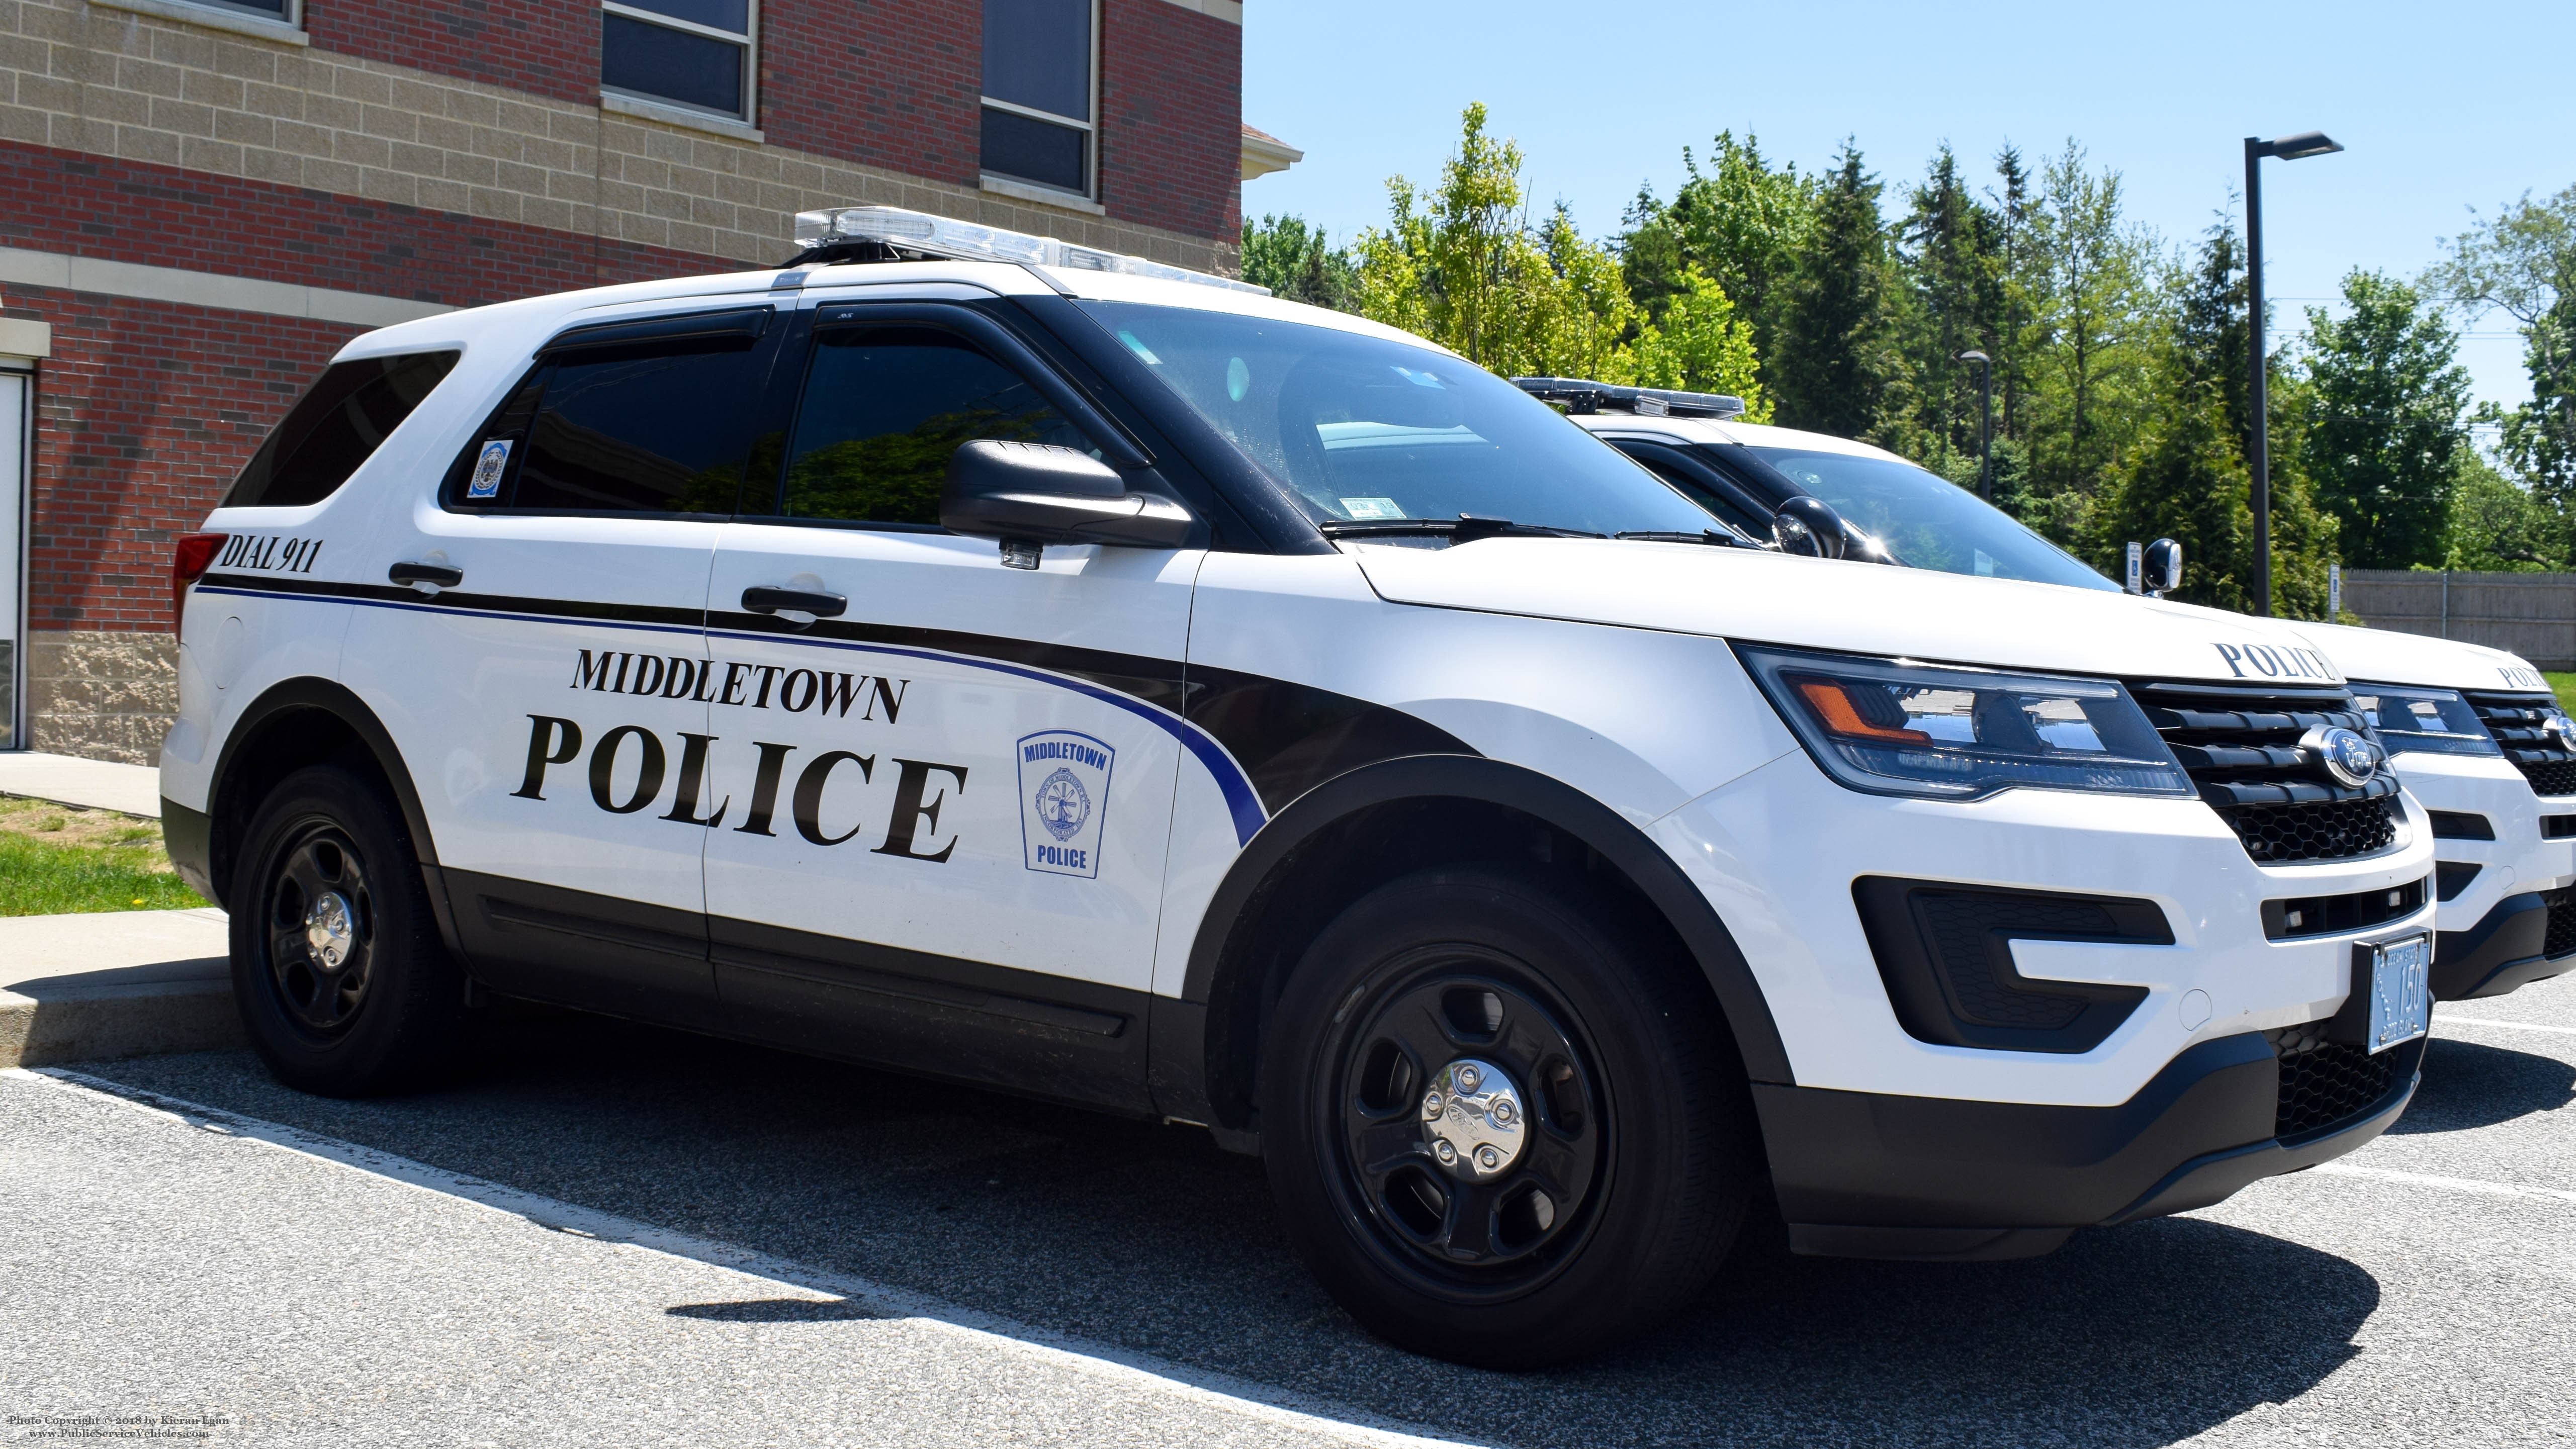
x,y
335,427
658,428
883,409
694,52
1038,91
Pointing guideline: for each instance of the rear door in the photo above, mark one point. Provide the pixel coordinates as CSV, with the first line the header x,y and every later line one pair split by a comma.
x,y
547,679
948,781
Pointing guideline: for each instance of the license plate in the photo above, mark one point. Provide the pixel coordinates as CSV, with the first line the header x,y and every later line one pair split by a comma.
x,y
2401,997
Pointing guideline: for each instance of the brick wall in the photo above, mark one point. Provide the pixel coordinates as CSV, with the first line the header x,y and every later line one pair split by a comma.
x,y
127,87
893,83
144,413
547,47
1171,90
130,211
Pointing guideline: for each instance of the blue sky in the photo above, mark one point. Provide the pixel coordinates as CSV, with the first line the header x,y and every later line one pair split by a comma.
x,y
2442,108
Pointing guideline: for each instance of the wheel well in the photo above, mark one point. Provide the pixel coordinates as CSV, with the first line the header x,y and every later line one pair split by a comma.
x,y
1329,870
280,743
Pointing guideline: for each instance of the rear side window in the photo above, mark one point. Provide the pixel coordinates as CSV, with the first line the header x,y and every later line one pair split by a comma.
x,y
657,425
335,427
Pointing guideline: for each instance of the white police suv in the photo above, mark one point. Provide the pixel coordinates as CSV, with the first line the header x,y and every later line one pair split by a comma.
x,y
2474,732
982,657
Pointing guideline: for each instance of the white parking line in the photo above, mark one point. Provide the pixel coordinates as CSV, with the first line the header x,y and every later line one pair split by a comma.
x,y
2454,1184
1133,1370
2515,1025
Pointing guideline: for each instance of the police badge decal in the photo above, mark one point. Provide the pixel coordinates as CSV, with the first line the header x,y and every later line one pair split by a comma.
x,y
486,482
1064,801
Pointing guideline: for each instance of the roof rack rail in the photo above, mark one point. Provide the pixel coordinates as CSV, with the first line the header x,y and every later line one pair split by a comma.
x,y
1582,396
892,234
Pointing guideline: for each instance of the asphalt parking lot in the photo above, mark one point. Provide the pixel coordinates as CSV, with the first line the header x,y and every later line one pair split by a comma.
x,y
605,1234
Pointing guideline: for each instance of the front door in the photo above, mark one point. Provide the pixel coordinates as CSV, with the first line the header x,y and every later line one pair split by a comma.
x,y
552,692
948,782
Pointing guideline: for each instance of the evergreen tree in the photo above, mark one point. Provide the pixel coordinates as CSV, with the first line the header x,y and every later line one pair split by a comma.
x,y
2011,207
2188,479
2086,281
1950,250
1741,223
1298,262
1835,357
2384,445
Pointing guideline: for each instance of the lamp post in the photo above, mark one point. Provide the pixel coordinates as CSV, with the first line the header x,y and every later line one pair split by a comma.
x,y
2286,148
1986,425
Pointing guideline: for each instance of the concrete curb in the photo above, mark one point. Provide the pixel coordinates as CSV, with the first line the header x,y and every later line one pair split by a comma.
x,y
99,1023
95,986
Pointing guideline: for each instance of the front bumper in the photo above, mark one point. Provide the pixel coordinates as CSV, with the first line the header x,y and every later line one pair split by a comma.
x,y
1868,1175
2505,950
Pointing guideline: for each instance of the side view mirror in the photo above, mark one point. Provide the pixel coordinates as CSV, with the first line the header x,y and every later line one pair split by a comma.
x,y
1809,525
1029,495
2160,571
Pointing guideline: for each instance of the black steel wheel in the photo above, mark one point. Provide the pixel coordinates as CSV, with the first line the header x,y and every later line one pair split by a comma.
x,y
1505,1124
321,928
338,970
1470,1138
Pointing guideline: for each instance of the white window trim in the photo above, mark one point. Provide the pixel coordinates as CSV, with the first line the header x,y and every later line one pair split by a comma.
x,y
1089,125
215,15
749,39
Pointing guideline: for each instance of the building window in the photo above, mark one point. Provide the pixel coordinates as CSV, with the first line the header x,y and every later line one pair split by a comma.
x,y
284,10
1040,106
693,53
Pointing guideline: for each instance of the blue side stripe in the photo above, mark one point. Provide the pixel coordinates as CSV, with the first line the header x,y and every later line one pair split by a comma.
x,y
1241,801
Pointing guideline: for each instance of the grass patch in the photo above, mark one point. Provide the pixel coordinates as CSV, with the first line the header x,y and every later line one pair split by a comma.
x,y
55,860
2564,686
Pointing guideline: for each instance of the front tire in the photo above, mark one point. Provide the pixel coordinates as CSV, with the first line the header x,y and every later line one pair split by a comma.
x,y
338,970
1502,1127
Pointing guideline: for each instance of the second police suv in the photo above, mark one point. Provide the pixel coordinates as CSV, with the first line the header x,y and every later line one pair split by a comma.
x,y
1008,662
2474,732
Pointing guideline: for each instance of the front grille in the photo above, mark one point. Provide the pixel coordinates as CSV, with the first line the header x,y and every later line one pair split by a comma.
x,y
2562,923
2520,724
2325,1083
2241,747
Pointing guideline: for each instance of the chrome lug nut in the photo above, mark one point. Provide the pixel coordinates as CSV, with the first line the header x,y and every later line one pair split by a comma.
x,y
1441,1149
1468,1076
1503,1110
1432,1102
1488,1159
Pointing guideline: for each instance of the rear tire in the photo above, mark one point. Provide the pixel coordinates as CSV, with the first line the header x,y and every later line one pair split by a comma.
x,y
1606,1211
338,969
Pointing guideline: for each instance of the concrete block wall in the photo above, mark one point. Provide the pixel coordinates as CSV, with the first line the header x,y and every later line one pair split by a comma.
x,y
102,694
2533,615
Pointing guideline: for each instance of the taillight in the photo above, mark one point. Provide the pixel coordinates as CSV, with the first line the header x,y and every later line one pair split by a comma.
x,y
188,563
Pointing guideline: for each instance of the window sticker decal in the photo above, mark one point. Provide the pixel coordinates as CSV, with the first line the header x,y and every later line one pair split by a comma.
x,y
487,469
1064,801
1372,508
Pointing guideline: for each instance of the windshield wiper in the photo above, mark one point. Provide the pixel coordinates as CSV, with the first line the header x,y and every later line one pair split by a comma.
x,y
1710,536
1465,528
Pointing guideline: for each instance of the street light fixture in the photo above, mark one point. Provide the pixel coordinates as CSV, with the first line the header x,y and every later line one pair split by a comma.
x,y
2286,148
1986,427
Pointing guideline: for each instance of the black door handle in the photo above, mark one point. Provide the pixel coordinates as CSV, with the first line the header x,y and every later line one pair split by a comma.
x,y
765,600
421,573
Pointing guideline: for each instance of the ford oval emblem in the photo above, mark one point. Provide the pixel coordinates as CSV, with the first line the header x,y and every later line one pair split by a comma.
x,y
2347,756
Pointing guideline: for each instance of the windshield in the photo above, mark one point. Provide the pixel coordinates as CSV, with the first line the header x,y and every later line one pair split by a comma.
x,y
1928,521
1361,428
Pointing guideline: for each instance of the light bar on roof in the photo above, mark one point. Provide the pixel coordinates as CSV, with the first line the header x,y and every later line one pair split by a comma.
x,y
1582,395
941,236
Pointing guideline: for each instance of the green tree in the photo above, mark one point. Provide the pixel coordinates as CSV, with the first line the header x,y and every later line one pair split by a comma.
x,y
1463,266
2086,282
2524,262
2187,478
1702,345
2497,526
1740,222
2384,445
1836,356
1951,256
1298,261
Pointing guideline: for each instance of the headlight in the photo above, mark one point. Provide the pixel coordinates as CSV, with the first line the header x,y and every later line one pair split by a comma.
x,y
1896,728
2433,721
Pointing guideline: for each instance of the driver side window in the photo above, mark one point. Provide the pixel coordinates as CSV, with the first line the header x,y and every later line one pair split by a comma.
x,y
885,405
